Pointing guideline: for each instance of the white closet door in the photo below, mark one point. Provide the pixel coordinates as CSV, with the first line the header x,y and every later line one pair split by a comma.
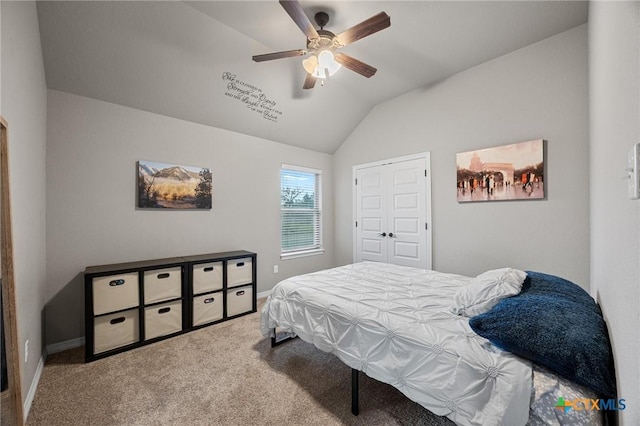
x,y
372,214
391,213
406,231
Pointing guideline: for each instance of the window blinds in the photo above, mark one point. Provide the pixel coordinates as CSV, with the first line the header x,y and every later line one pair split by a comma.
x,y
300,217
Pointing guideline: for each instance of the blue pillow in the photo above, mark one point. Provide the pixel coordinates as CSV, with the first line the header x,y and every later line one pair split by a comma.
x,y
555,332
550,285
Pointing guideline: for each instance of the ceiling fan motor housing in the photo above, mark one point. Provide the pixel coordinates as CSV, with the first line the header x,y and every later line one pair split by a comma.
x,y
325,40
322,19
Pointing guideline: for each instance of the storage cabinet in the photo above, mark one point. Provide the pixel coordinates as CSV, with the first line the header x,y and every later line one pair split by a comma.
x,y
128,304
215,280
132,304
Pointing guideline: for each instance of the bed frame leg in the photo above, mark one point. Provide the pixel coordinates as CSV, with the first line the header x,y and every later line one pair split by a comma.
x,y
275,342
355,409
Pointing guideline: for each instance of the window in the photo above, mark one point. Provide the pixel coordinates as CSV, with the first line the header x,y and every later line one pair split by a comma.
x,y
300,211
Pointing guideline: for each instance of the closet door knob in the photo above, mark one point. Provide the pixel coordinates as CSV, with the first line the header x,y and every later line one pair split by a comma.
x,y
391,234
384,234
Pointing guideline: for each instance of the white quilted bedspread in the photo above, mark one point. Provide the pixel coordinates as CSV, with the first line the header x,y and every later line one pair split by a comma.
x,y
394,323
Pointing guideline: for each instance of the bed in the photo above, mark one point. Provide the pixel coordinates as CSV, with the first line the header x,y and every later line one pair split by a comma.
x,y
412,328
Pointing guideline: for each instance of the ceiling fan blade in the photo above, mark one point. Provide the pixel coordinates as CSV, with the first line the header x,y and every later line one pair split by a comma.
x,y
355,65
293,8
279,55
309,82
364,28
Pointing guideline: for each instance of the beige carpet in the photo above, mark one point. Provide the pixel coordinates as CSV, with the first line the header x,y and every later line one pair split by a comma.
x,y
6,410
225,374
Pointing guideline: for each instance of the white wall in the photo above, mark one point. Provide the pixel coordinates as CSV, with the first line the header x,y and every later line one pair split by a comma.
x,y
539,91
92,149
24,101
614,66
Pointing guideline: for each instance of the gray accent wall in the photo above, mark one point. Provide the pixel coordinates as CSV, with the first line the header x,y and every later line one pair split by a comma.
x,y
24,102
92,149
540,91
614,83
73,178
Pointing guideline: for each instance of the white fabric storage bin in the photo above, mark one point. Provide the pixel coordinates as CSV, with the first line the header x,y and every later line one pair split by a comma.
x,y
207,277
239,271
207,308
163,319
239,300
162,284
115,292
115,330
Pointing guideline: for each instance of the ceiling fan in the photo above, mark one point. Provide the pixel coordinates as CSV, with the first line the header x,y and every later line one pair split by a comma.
x,y
322,44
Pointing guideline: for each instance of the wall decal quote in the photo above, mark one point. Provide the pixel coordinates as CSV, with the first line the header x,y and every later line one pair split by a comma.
x,y
251,96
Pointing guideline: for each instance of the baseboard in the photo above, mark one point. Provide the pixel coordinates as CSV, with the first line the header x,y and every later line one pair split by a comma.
x,y
50,349
63,346
34,386
263,294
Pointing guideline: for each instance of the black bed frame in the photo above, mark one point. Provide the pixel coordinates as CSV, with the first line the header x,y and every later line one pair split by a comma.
x,y
355,385
610,417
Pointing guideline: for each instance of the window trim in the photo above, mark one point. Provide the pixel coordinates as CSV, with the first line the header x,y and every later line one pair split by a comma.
x,y
301,253
316,250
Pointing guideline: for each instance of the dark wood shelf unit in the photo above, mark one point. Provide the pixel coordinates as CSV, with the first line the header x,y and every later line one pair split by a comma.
x,y
132,304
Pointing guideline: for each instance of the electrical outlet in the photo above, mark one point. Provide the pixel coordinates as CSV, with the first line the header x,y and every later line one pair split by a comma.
x,y
275,269
633,166
26,351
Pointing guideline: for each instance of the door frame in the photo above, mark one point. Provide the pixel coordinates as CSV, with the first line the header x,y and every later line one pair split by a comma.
x,y
8,284
427,194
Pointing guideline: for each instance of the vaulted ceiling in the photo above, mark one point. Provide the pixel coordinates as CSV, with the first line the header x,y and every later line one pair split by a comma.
x,y
192,60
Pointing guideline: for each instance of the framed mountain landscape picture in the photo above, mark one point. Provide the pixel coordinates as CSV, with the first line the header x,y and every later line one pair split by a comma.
x,y
170,186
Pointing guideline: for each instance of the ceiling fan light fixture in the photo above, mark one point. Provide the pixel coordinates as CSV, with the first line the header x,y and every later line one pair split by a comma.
x,y
310,64
321,66
327,62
